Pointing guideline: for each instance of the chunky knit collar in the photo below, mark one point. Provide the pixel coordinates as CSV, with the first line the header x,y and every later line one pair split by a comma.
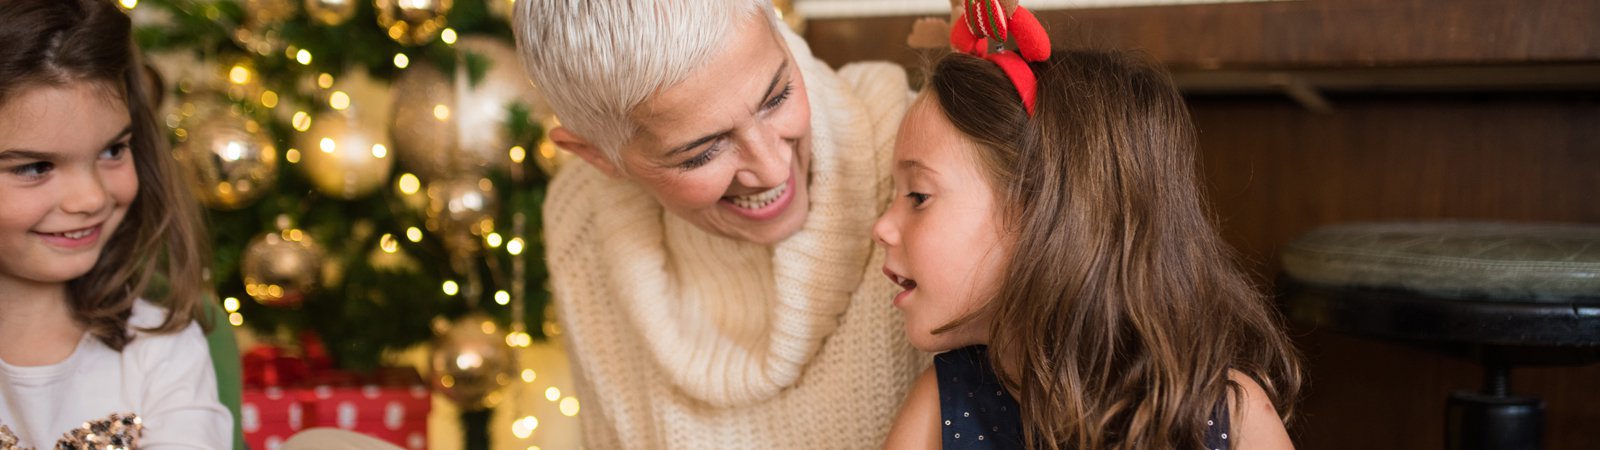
x,y
815,271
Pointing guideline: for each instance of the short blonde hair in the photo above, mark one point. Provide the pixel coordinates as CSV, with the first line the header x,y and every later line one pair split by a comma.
x,y
596,60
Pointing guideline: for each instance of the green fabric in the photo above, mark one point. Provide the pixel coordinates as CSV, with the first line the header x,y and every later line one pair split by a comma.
x,y
225,359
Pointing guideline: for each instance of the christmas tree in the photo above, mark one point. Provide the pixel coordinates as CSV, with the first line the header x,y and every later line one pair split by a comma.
x,y
373,172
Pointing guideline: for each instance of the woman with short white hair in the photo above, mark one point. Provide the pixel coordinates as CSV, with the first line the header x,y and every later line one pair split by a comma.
x,y
712,262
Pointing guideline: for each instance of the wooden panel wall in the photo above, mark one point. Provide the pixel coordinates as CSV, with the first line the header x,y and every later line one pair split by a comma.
x,y
1275,171
1304,33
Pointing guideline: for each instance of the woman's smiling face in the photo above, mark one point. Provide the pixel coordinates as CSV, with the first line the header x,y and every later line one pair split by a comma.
x,y
729,148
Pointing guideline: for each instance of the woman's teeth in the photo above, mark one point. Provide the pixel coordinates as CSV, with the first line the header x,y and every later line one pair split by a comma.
x,y
759,200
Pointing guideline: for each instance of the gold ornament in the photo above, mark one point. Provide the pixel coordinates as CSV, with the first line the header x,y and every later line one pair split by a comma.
x,y
343,157
446,127
412,22
424,125
331,12
241,78
484,108
259,32
229,161
460,210
280,268
260,13
471,362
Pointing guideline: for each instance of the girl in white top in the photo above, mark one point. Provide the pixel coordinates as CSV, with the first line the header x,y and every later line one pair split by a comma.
x,y
92,213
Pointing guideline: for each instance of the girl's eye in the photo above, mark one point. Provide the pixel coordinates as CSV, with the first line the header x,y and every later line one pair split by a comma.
x,y
34,170
917,198
777,101
704,157
115,151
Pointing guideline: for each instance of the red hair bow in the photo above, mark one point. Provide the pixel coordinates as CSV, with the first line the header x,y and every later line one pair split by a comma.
x,y
986,19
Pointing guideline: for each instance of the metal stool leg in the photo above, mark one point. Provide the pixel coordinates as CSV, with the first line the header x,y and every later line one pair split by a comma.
x,y
1494,419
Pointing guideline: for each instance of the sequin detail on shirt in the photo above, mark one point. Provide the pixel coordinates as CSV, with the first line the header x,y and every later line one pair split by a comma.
x,y
115,432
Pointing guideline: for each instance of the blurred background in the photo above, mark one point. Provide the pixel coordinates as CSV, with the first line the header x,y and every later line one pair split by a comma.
x,y
374,169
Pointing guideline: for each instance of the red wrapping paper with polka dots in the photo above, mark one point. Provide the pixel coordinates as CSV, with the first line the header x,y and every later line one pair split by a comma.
x,y
391,404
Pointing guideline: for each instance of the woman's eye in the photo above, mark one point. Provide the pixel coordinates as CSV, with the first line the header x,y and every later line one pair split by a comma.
x,y
917,198
777,101
704,157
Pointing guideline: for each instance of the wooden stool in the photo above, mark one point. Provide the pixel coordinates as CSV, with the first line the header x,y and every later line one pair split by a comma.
x,y
1501,294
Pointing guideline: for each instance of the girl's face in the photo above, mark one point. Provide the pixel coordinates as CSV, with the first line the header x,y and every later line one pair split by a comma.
x,y
944,242
729,148
66,180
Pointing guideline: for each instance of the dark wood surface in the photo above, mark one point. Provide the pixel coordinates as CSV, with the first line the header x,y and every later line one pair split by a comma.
x,y
1275,170
1302,33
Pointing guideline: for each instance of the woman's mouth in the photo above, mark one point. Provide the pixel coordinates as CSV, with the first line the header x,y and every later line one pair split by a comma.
x,y
761,199
764,205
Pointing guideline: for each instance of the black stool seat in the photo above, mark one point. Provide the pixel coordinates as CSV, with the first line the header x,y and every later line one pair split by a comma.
x,y
1501,293
1405,315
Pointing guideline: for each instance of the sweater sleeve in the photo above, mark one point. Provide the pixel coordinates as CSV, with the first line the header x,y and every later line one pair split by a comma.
x,y
181,409
578,295
885,92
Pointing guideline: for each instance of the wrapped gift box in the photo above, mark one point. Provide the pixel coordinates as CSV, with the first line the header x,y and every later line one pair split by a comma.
x,y
269,416
391,404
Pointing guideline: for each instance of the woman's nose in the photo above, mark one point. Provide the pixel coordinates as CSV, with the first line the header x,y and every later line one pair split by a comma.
x,y
767,158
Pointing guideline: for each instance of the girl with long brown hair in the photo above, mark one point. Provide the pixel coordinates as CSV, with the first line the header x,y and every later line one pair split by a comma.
x,y
91,211
1055,245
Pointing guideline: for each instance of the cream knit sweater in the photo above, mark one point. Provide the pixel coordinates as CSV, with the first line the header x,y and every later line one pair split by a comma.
x,y
682,339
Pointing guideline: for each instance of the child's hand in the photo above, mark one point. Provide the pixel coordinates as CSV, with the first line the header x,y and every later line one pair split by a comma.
x,y
929,33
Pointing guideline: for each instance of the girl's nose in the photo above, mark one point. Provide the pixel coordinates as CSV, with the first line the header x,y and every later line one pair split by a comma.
x,y
86,194
884,230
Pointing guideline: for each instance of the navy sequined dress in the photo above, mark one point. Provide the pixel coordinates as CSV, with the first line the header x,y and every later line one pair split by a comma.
x,y
977,413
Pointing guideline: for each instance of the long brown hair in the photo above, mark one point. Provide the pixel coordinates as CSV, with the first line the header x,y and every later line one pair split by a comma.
x,y
61,42
1122,310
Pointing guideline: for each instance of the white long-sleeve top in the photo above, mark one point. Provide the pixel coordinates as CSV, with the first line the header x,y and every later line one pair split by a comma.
x,y
686,340
166,379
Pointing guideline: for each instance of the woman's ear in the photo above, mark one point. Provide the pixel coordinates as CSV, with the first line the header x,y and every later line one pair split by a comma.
x,y
576,144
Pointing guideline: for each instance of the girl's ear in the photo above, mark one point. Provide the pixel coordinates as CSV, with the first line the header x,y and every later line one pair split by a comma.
x,y
576,144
